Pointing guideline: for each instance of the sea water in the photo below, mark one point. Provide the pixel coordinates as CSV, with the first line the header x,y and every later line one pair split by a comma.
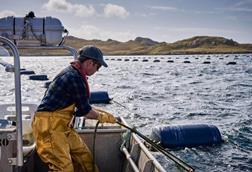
x,y
163,93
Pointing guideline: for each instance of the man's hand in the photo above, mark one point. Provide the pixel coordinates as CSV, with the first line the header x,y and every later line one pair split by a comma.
x,y
106,118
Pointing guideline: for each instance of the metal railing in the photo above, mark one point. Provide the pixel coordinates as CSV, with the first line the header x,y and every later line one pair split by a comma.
x,y
18,104
13,48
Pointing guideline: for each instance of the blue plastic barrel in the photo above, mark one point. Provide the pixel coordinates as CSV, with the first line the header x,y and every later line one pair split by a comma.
x,y
187,135
99,97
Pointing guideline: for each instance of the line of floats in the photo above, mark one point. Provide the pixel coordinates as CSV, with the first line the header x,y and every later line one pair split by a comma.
x,y
205,60
155,59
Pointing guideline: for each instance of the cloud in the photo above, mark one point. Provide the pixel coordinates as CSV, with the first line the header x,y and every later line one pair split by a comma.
x,y
165,8
236,9
241,6
64,6
6,13
244,3
111,10
174,9
83,11
92,32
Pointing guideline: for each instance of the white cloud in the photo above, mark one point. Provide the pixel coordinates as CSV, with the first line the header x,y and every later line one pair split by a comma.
x,y
244,3
92,32
235,9
6,13
111,10
166,8
83,11
174,9
87,32
240,6
64,6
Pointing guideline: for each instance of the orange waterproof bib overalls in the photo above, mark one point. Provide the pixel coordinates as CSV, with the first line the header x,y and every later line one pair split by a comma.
x,y
58,145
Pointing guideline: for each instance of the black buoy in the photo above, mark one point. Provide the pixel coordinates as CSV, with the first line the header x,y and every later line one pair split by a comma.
x,y
156,60
145,60
27,72
186,61
170,61
231,63
206,62
38,77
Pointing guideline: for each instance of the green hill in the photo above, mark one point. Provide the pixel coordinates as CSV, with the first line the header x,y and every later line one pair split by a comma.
x,y
139,46
146,46
202,45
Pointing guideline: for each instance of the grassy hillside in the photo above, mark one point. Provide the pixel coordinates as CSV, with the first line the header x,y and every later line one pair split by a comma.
x,y
205,45
146,46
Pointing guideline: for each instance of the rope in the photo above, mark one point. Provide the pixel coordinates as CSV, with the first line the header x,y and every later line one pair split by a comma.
x,y
122,106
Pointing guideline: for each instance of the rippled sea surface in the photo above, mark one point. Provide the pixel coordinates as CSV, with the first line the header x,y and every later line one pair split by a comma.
x,y
163,93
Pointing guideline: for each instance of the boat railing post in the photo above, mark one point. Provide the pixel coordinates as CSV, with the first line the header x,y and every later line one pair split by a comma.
x,y
72,50
19,159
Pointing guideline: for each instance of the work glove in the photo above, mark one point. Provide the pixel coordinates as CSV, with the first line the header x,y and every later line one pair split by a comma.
x,y
105,117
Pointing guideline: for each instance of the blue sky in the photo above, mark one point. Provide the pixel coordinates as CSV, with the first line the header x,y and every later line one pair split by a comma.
x,y
160,20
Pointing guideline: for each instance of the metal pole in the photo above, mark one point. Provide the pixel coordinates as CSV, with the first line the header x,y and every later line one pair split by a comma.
x,y
19,131
72,50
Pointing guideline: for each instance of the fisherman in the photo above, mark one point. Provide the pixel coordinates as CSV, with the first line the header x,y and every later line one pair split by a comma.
x,y
57,143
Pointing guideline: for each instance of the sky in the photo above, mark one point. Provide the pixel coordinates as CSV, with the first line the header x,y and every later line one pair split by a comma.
x,y
160,20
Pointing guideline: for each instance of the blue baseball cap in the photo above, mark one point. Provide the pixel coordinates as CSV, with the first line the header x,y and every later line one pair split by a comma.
x,y
92,52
